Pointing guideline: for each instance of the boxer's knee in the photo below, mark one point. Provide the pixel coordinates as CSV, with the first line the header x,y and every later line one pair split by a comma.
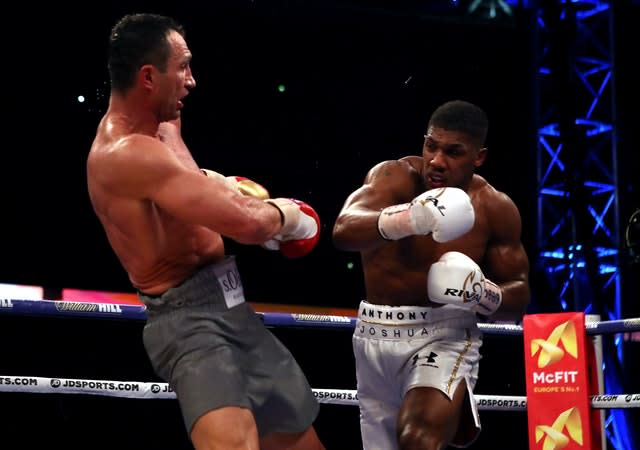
x,y
228,427
413,436
427,420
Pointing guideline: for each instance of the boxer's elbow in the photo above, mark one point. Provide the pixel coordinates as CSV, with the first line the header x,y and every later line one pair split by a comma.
x,y
340,237
345,236
522,296
515,301
351,238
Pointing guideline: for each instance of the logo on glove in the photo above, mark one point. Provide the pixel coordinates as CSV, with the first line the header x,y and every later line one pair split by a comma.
x,y
434,200
471,291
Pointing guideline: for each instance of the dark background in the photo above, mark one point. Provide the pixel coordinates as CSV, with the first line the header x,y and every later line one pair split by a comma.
x,y
361,80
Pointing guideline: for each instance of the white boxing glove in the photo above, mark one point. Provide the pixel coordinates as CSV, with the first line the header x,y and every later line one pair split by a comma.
x,y
447,213
455,278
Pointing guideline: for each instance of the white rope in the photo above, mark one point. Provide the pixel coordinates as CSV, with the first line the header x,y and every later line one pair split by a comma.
x,y
144,390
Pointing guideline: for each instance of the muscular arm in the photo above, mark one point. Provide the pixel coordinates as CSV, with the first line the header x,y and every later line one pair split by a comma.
x,y
387,183
143,167
506,262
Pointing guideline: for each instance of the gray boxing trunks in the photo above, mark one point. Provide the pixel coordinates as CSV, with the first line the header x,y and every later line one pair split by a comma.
x,y
214,351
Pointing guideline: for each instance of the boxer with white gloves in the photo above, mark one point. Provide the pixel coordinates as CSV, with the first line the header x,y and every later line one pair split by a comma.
x,y
457,279
446,213
416,342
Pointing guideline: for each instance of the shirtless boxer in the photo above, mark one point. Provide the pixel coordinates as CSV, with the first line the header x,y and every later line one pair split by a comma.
x,y
439,245
238,387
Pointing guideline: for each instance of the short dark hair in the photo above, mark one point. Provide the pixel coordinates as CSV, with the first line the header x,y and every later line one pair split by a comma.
x,y
136,40
459,115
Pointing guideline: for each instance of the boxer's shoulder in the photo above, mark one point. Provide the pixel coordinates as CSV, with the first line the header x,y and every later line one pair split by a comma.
x,y
395,169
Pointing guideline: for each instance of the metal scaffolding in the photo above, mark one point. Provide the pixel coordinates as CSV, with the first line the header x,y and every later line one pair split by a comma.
x,y
578,232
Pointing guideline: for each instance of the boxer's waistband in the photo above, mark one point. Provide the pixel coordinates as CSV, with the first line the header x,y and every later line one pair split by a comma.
x,y
411,315
214,284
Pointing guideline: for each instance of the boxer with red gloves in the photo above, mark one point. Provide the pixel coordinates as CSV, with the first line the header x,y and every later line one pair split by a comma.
x,y
440,250
237,386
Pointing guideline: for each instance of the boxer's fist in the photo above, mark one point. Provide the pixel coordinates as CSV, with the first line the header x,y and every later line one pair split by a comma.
x,y
456,278
447,213
242,185
300,230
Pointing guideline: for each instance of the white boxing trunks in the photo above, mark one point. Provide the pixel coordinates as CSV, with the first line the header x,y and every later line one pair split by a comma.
x,y
397,348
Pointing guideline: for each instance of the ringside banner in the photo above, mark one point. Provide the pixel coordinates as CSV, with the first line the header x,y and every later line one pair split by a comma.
x,y
557,379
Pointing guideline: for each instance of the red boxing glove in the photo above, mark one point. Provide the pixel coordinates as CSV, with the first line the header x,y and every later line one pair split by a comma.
x,y
298,248
300,228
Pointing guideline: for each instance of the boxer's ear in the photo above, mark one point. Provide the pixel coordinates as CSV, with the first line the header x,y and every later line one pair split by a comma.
x,y
145,76
481,156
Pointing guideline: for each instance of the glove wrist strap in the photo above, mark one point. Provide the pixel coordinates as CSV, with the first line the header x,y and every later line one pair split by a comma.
x,y
394,222
490,300
282,206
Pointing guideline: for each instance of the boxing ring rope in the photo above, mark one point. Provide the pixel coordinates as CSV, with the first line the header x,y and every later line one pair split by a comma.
x,y
270,319
152,390
156,390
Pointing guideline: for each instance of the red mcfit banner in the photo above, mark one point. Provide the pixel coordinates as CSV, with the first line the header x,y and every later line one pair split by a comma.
x,y
556,358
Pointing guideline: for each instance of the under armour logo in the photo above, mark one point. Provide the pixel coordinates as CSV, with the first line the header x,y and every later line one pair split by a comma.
x,y
429,359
